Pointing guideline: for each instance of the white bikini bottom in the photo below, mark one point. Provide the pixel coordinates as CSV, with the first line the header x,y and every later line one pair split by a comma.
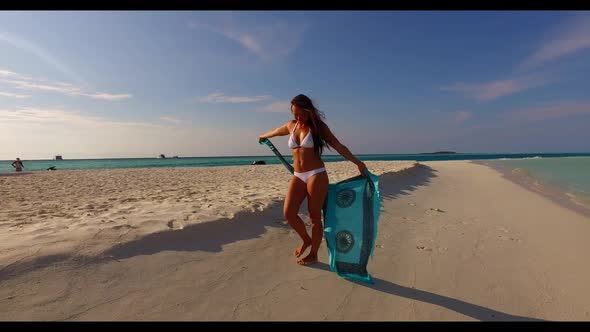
x,y
305,176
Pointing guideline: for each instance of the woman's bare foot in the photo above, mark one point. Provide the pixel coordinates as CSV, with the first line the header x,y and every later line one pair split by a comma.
x,y
299,251
309,259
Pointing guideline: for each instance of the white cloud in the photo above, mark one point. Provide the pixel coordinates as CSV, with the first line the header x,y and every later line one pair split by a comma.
x,y
13,95
40,115
40,52
267,39
459,117
220,97
282,106
6,73
573,36
550,111
487,91
27,83
107,96
169,119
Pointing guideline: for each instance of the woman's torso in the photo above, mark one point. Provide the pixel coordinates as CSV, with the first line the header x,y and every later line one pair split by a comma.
x,y
304,158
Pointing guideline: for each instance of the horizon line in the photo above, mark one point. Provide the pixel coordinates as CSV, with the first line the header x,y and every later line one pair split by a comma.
x,y
328,155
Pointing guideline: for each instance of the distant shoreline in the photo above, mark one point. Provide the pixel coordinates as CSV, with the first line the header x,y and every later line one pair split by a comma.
x,y
440,152
581,154
155,163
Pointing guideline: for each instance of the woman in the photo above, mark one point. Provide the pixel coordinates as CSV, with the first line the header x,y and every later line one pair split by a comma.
x,y
309,134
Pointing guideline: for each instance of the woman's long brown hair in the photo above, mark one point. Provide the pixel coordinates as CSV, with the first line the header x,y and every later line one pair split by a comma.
x,y
316,122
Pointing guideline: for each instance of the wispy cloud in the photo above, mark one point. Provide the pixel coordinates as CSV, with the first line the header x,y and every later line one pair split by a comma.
x,y
573,36
446,117
220,97
13,95
106,96
495,89
44,115
459,117
269,40
40,52
28,83
281,106
6,73
55,115
550,111
169,119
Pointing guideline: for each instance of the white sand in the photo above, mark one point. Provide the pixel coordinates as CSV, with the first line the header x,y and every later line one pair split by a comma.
x,y
456,242
89,211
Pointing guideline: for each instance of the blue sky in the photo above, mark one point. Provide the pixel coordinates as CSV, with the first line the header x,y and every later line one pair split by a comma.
x,y
137,84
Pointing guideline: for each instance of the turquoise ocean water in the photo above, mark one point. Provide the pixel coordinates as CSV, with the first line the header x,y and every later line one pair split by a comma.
x,y
569,174
42,165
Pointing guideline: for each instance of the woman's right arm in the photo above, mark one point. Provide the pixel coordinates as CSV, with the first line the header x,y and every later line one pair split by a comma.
x,y
280,131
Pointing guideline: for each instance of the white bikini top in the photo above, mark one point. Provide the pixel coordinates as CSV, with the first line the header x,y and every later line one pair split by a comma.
x,y
307,141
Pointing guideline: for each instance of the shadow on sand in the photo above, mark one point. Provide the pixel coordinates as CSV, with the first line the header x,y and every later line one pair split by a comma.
x,y
468,309
396,184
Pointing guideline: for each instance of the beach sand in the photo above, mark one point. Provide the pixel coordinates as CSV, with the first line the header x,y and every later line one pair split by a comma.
x,y
457,241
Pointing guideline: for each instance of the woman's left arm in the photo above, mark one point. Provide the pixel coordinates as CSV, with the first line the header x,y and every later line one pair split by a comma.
x,y
342,149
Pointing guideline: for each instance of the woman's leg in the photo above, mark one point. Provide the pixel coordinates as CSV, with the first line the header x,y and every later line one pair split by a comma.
x,y
295,195
317,189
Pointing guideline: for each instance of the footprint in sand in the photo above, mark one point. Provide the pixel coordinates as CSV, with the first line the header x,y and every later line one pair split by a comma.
x,y
433,212
423,248
123,226
508,238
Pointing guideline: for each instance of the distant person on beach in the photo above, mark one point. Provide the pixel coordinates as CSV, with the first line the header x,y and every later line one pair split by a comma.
x,y
309,134
18,165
